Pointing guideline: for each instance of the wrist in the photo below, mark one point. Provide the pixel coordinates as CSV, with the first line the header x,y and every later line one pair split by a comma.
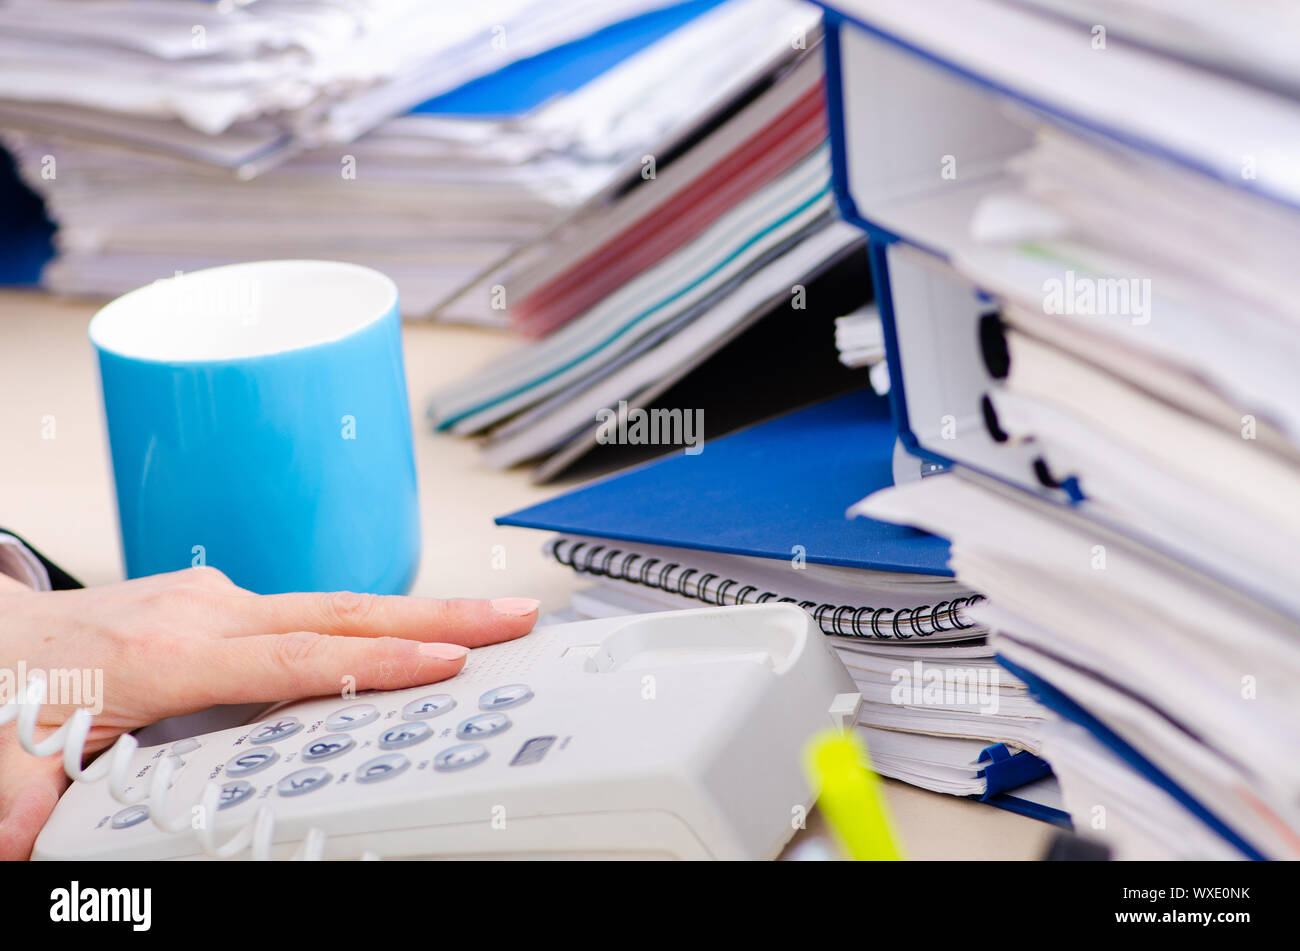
x,y
11,585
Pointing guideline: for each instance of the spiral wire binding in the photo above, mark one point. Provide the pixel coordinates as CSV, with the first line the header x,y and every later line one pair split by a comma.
x,y
844,620
115,766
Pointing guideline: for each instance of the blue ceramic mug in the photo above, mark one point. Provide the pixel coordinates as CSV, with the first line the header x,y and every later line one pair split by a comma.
x,y
258,422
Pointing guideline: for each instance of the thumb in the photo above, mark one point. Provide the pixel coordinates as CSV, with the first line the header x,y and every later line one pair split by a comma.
x,y
303,664
29,790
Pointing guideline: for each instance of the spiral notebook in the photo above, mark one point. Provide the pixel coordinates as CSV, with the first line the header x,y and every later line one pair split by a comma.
x,y
760,515
845,602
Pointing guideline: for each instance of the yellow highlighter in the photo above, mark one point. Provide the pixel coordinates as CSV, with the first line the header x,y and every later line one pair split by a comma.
x,y
851,798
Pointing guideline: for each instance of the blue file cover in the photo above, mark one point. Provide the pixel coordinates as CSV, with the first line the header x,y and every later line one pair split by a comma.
x,y
1063,706
1005,771
762,491
880,238
529,83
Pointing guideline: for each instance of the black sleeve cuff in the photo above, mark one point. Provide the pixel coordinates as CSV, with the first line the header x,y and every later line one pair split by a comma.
x,y
60,580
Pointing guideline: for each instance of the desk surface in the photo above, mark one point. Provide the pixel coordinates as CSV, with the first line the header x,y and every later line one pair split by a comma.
x,y
57,492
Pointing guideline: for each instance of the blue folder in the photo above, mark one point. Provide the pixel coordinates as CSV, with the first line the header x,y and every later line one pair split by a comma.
x,y
761,492
879,238
524,85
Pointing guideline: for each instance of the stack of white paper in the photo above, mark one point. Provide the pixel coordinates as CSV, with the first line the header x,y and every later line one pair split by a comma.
x,y
1256,40
1195,676
650,281
1136,220
143,185
243,85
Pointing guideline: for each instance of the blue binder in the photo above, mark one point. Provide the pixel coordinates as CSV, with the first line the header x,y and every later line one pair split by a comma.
x,y
1063,706
1006,771
881,238
761,491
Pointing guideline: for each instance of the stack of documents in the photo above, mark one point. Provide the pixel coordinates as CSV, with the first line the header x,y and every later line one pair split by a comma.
x,y
701,244
1139,238
143,187
760,516
242,86
1257,40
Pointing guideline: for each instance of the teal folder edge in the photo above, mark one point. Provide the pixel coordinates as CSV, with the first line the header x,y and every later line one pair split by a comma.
x,y
778,489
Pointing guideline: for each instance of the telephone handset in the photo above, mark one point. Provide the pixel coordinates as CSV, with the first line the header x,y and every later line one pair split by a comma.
x,y
672,735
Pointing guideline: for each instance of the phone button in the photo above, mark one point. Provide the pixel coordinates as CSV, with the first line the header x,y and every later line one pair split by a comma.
x,y
483,726
460,757
245,764
428,707
502,698
350,718
232,794
382,767
273,731
327,747
130,816
303,781
408,734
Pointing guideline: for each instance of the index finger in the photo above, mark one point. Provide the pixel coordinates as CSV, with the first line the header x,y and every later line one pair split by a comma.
x,y
469,622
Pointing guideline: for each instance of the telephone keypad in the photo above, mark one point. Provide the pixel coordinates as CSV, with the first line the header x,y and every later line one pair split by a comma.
x,y
410,731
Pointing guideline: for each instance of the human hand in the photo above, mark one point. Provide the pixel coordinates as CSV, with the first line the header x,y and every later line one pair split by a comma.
x,y
177,643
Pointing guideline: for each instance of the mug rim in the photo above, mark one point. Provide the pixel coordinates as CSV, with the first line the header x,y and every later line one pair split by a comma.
x,y
111,322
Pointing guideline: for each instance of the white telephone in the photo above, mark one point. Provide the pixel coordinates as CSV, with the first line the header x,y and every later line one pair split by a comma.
x,y
673,735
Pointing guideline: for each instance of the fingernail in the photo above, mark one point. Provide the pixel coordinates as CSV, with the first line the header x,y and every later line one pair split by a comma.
x,y
515,607
443,651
